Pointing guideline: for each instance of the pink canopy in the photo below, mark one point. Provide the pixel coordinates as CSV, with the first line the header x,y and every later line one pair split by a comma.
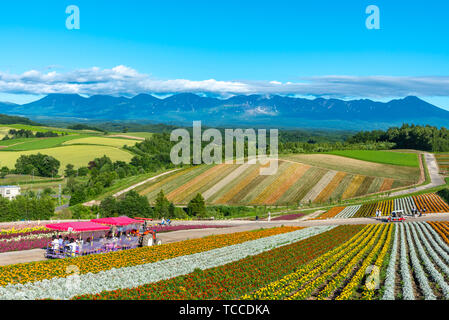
x,y
77,226
117,221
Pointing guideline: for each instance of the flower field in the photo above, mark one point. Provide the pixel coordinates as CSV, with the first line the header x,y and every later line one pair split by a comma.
x,y
337,274
28,240
134,276
443,162
241,184
38,271
293,216
235,279
431,202
405,261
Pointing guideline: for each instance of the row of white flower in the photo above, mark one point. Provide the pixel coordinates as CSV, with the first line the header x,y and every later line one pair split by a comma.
x,y
130,277
431,251
407,288
417,268
348,212
391,270
434,273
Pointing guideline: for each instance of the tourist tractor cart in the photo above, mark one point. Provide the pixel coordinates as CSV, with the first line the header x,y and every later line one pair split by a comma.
x,y
100,236
146,236
396,216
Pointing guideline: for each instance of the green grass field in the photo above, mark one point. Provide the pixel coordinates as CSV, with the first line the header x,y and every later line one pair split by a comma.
x,y
25,144
44,129
112,142
386,157
78,155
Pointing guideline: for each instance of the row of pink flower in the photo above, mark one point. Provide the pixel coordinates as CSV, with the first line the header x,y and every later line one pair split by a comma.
x,y
289,217
186,227
23,245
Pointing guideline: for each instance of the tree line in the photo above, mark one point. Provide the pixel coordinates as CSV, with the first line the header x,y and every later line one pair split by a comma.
x,y
425,138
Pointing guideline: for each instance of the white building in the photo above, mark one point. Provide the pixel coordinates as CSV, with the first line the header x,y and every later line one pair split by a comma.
x,y
9,192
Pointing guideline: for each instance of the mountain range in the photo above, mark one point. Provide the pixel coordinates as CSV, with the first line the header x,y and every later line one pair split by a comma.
x,y
244,110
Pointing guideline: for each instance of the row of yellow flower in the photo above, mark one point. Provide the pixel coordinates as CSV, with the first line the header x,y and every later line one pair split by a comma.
x,y
348,291
15,230
335,269
294,281
368,293
36,271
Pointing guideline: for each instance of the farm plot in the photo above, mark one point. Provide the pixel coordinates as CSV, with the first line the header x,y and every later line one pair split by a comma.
x,y
443,162
77,155
431,203
118,143
348,212
385,207
330,214
233,280
337,274
316,190
293,183
419,264
406,204
39,271
366,210
326,193
145,273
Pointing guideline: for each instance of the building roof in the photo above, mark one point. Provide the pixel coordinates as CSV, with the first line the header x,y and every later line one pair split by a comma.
x,y
10,187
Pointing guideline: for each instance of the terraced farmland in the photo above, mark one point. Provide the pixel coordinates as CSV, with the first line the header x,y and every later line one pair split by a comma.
x,y
293,183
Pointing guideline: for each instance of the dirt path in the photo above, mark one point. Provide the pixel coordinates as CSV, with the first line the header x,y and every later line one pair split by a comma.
x,y
435,178
96,202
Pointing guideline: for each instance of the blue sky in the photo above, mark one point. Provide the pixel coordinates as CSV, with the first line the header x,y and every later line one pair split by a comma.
x,y
308,48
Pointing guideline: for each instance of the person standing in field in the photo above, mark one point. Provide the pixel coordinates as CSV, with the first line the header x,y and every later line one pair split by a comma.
x,y
269,216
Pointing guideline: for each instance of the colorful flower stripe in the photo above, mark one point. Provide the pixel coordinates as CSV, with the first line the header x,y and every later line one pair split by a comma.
x,y
423,249
317,278
431,202
289,217
329,189
232,280
342,275
36,271
281,288
130,277
18,229
348,291
330,214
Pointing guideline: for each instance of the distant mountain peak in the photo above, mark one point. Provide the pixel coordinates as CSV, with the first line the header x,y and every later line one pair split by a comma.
x,y
274,110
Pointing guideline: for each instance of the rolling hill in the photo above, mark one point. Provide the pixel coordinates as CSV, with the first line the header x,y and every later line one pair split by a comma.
x,y
295,182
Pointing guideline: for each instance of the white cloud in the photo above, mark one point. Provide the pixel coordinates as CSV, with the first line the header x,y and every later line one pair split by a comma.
x,y
123,80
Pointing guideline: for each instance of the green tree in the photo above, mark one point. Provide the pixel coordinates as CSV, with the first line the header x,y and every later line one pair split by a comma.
x,y
161,205
197,206
69,170
108,207
37,164
4,172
